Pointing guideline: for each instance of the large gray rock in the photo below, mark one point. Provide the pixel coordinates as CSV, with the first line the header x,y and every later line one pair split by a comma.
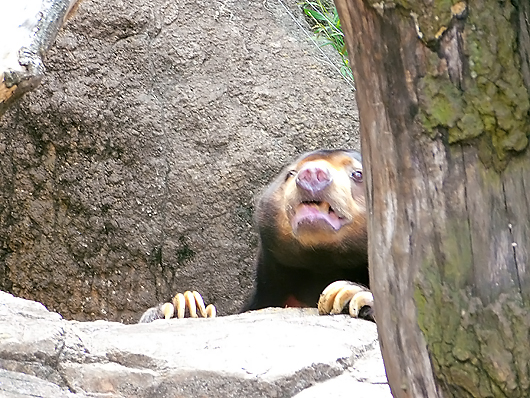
x,y
131,172
268,353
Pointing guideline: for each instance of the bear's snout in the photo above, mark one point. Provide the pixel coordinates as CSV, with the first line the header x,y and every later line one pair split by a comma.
x,y
313,177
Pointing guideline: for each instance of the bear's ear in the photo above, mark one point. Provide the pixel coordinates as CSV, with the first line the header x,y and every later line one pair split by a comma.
x,y
356,155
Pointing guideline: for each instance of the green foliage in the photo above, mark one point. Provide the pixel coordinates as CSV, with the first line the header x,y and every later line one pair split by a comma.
x,y
323,17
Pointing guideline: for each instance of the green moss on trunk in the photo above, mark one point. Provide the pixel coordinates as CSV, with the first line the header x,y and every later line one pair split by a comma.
x,y
491,100
473,353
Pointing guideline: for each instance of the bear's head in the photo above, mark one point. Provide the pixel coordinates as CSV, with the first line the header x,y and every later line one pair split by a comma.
x,y
317,203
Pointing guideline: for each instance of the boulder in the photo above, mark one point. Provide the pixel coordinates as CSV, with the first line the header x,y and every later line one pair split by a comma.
x,y
267,353
130,173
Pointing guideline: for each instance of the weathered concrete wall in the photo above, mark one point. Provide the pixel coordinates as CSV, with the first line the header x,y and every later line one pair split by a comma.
x,y
131,172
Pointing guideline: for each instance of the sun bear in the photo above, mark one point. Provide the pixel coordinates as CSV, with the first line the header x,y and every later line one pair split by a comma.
x,y
311,222
312,231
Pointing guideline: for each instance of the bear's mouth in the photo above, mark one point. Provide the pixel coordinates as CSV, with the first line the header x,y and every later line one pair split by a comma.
x,y
316,214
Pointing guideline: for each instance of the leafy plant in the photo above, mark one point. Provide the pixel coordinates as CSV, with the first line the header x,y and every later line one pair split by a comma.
x,y
323,18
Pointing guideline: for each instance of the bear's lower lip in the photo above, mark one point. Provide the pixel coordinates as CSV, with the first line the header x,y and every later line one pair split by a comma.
x,y
317,215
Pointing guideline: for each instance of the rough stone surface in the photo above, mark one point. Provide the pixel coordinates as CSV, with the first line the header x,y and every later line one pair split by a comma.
x,y
131,172
267,353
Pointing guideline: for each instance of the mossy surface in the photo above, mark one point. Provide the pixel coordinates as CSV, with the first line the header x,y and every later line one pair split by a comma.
x,y
474,354
477,332
465,70
491,100
431,20
477,338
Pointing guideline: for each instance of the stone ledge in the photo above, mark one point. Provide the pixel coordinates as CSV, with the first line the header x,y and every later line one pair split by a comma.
x,y
267,353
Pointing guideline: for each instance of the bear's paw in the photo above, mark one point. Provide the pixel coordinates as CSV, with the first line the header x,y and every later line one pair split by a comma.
x,y
190,304
340,296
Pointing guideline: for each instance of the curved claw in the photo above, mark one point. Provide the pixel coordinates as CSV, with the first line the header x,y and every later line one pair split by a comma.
x,y
327,297
168,310
340,295
179,301
190,303
211,312
344,296
200,303
359,301
191,300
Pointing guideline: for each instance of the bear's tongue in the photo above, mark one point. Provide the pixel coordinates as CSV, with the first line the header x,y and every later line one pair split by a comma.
x,y
315,213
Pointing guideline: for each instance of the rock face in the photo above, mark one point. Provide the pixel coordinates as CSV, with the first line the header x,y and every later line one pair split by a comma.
x,y
131,172
268,353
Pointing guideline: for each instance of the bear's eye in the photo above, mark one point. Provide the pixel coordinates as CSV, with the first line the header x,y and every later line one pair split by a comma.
x,y
357,176
290,173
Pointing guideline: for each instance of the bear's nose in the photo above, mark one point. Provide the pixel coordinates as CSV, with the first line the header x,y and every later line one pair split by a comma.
x,y
313,177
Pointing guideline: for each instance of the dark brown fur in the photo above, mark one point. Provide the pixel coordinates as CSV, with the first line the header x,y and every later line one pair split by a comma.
x,y
300,254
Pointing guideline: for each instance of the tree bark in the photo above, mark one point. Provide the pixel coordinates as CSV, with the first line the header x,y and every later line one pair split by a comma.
x,y
442,91
27,30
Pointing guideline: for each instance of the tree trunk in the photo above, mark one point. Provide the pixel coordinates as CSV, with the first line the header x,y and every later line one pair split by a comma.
x,y
27,30
443,97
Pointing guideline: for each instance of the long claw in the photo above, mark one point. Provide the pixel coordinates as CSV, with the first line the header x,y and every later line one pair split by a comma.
x,y
168,310
344,296
191,300
211,312
325,302
180,304
190,303
200,303
359,301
